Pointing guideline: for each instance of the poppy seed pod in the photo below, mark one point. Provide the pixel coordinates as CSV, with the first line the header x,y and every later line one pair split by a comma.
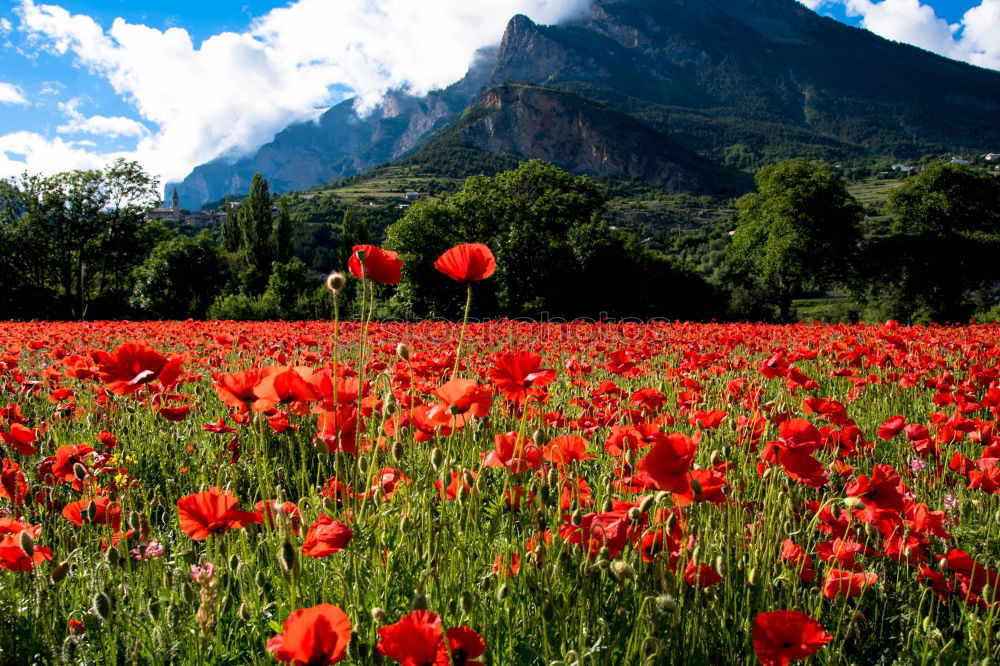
x,y
335,282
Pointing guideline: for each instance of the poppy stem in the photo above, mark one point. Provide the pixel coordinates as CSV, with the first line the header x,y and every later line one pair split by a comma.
x,y
461,335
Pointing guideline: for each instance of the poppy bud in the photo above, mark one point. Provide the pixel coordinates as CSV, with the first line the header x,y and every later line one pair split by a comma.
x,y
403,352
466,601
576,518
662,496
715,458
571,658
634,514
398,452
943,565
468,477
287,558
502,592
670,522
69,649
604,554
853,503
608,506
27,543
622,570
59,572
537,438
133,520
101,605
112,557
85,513
987,593
871,531
437,458
666,604
752,577
927,624
379,615
553,476
419,602
79,471
335,282
720,565
646,504
696,486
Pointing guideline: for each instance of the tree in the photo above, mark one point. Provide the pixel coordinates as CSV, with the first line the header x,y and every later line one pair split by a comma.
x,y
75,236
256,225
937,260
800,226
555,252
180,278
284,249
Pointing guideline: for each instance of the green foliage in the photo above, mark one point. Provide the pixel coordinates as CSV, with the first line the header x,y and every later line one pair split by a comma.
x,y
555,252
801,225
179,278
72,239
936,259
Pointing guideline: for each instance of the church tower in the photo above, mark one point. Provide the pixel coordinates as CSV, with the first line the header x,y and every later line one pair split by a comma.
x,y
175,207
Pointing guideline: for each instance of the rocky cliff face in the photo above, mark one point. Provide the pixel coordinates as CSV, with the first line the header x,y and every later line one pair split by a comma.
x,y
581,136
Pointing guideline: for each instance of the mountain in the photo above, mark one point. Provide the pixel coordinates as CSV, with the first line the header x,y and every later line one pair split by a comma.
x,y
524,121
340,142
744,82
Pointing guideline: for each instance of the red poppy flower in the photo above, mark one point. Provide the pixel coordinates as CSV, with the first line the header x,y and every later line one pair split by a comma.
x,y
838,582
325,537
782,636
514,374
566,449
236,389
100,511
463,399
211,512
13,557
469,262
21,438
285,385
418,640
667,465
701,575
380,265
13,484
133,364
315,636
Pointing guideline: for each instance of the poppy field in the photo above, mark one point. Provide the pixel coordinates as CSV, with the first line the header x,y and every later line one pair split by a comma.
x,y
592,493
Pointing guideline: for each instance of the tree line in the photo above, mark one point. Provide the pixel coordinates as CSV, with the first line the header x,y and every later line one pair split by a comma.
x,y
79,245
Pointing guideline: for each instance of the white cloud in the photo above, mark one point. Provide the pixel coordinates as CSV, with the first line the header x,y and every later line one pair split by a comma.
x,y
973,39
28,151
109,126
11,94
231,93
5,26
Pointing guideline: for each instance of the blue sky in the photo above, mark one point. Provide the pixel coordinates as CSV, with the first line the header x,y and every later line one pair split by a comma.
x,y
175,84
